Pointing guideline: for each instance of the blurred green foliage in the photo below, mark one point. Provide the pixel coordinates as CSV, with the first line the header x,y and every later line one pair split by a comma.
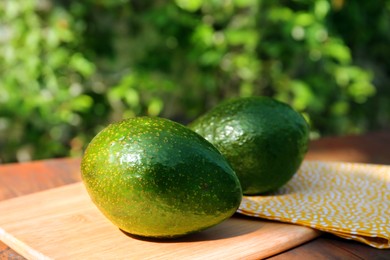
x,y
68,68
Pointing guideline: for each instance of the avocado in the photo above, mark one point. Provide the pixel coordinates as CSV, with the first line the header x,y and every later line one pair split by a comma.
x,y
153,177
263,139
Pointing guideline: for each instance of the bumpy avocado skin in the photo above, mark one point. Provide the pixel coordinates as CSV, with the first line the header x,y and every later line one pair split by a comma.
x,y
264,140
156,178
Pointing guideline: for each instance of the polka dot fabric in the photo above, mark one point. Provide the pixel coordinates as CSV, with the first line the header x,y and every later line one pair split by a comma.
x,y
350,200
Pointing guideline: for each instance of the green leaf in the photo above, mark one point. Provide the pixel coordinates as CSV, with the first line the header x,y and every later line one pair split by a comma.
x,y
338,51
81,103
132,98
340,108
279,13
155,106
203,35
82,65
321,8
245,3
239,36
303,95
189,5
303,19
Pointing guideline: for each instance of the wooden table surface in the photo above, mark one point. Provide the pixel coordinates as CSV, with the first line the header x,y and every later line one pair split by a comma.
x,y
24,178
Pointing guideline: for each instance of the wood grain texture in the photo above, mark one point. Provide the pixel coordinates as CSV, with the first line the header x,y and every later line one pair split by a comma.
x,y
64,224
331,247
369,148
19,179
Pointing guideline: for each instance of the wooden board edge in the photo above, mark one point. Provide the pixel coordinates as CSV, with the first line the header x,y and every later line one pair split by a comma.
x,y
311,234
20,247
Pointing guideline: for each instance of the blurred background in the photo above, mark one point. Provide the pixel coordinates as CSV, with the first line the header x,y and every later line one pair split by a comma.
x,y
68,68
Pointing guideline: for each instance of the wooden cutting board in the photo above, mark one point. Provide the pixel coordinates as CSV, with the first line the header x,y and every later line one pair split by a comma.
x,y
63,223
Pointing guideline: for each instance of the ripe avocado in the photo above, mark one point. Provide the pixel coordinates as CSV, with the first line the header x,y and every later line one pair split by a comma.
x,y
153,177
263,139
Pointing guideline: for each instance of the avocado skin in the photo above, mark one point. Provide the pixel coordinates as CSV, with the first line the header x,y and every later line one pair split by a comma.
x,y
263,139
153,177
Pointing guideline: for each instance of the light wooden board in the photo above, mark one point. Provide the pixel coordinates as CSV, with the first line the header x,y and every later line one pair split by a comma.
x,y
63,223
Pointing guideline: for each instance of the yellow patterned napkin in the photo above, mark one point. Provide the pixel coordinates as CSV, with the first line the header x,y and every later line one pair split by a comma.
x,y
350,200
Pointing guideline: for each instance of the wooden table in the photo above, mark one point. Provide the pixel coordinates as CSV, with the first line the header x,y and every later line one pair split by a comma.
x,y
25,178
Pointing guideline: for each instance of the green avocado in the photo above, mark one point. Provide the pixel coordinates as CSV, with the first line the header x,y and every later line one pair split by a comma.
x,y
153,177
263,139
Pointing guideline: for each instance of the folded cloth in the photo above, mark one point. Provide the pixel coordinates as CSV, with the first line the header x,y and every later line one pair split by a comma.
x,y
350,200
